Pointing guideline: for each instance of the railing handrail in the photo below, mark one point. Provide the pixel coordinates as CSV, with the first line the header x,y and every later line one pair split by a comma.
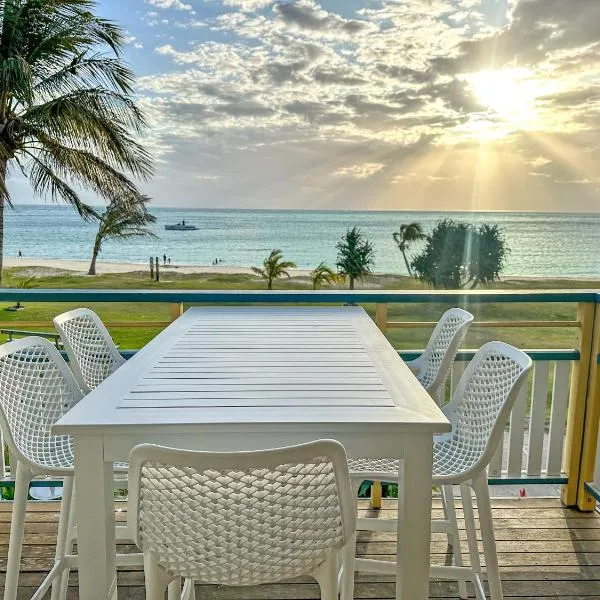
x,y
298,296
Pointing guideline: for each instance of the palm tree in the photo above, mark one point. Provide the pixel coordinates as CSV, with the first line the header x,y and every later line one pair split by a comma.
x,y
408,233
122,222
356,256
274,267
67,117
321,275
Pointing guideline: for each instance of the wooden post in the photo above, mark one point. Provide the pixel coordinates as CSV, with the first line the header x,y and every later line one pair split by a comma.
x,y
591,422
156,267
151,269
578,397
381,317
176,309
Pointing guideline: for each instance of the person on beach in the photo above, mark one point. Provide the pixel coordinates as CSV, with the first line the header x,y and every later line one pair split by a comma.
x,y
164,259
20,254
168,260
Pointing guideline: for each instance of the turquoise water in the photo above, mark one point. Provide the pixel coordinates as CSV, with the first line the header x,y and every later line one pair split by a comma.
x,y
566,245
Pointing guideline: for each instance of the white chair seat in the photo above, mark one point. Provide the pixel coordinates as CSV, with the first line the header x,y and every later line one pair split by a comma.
x,y
448,464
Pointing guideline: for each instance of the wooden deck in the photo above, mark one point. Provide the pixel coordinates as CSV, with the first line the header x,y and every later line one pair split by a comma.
x,y
545,552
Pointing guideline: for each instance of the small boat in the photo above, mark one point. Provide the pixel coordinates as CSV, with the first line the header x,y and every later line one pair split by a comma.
x,y
181,227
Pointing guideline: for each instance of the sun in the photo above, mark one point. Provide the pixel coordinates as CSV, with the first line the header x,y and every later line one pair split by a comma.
x,y
509,93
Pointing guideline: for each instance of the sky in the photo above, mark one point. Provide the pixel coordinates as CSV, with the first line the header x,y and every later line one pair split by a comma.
x,y
372,104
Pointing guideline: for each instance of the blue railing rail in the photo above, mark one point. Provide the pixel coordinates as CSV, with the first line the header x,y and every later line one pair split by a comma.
x,y
299,296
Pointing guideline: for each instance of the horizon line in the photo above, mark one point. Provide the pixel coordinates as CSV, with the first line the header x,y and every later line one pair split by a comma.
x,y
336,210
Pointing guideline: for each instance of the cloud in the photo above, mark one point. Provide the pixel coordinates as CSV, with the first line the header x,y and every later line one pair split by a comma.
x,y
539,161
307,15
248,5
360,171
165,4
268,96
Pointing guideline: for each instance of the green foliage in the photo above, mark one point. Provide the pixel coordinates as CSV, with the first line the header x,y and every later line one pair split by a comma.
x,y
356,256
274,267
405,237
323,275
458,255
68,121
122,221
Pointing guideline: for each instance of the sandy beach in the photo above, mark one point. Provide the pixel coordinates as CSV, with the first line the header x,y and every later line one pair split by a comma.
x,y
81,267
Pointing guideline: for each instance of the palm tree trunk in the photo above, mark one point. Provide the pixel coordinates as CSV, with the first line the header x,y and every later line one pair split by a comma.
x,y
351,283
3,164
406,263
97,243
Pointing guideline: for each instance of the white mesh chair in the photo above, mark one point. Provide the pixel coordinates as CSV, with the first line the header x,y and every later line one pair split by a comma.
x,y
36,389
478,412
92,353
243,518
433,366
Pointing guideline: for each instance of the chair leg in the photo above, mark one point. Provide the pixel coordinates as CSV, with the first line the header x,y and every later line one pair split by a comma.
x,y
471,528
62,536
486,525
188,592
17,527
453,537
174,589
71,537
155,578
327,576
447,494
348,556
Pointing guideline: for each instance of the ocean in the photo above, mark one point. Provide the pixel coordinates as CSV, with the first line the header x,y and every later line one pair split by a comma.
x,y
541,245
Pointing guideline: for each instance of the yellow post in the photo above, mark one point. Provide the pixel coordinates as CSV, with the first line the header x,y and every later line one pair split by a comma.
x,y
578,396
376,494
591,422
381,320
381,317
176,310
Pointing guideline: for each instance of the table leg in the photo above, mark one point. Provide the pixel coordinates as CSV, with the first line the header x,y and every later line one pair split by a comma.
x,y
95,520
414,519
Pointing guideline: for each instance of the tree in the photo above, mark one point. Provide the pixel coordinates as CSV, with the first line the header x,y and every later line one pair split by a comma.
x,y
67,115
356,256
322,275
458,255
122,222
274,267
408,234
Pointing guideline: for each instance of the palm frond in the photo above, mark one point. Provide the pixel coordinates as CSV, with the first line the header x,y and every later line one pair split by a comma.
x,y
87,170
67,115
45,182
96,70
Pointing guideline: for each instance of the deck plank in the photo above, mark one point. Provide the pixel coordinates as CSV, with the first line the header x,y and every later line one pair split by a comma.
x,y
545,552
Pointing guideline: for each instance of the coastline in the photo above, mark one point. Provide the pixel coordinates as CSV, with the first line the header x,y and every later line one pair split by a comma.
x,y
40,267
80,267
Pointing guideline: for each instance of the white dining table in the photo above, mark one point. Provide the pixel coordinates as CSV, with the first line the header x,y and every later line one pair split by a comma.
x,y
244,378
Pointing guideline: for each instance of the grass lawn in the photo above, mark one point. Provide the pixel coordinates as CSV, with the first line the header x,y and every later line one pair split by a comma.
x,y
133,338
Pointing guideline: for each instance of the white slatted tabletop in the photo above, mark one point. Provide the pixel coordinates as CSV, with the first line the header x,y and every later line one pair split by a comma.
x,y
242,378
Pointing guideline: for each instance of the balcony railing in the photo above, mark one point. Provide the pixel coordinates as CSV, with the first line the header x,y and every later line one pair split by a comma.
x,y
553,431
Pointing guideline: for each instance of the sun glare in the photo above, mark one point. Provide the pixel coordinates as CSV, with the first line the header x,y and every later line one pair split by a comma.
x,y
510,93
